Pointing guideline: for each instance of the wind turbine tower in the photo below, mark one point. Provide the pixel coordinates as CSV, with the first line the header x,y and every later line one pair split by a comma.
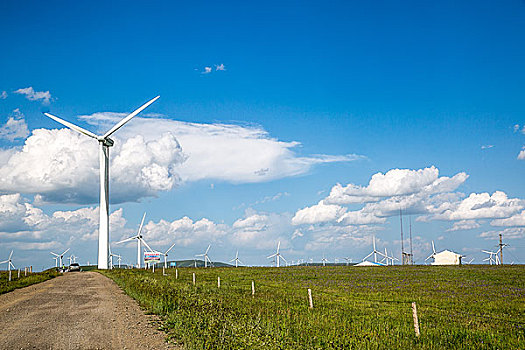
x,y
105,143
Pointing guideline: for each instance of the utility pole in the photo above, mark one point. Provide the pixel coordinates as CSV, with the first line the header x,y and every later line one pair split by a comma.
x,y
402,243
411,252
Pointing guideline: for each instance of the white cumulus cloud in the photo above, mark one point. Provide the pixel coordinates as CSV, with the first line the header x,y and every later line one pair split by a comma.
x,y
15,127
32,95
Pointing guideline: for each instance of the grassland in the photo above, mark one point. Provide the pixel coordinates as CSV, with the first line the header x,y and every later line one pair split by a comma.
x,y
23,281
469,307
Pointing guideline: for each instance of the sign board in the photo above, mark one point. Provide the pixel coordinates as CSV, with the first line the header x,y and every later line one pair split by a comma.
x,y
173,264
151,257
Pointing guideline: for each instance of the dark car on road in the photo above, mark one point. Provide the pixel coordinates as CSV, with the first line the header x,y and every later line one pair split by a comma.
x,y
74,267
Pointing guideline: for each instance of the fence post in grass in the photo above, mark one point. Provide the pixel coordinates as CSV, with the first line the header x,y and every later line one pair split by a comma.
x,y
416,321
176,273
194,278
18,273
25,271
253,288
310,298
153,268
218,282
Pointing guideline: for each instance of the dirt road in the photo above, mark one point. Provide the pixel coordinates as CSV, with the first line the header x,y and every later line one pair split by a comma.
x,y
76,311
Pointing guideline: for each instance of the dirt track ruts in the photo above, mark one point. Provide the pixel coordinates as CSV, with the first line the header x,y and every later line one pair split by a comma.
x,y
76,311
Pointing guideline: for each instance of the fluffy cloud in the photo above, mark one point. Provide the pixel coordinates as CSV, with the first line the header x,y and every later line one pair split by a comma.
x,y
15,127
318,213
515,220
464,225
22,222
227,152
220,67
183,232
521,155
482,206
395,182
32,95
62,166
508,233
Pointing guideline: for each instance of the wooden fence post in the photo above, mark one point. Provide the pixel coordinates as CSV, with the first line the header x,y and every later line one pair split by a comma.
x,y
31,269
253,288
416,321
176,273
18,273
194,278
25,271
310,298
218,282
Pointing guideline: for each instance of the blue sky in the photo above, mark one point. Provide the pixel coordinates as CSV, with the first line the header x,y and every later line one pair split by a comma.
x,y
318,93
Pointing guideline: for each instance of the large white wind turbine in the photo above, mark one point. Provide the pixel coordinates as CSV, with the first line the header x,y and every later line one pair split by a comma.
x,y
237,260
205,255
60,256
139,239
277,255
105,143
166,255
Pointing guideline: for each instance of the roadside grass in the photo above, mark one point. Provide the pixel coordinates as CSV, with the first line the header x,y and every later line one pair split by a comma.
x,y
474,307
23,281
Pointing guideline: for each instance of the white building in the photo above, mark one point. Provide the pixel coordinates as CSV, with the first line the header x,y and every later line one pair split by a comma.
x,y
446,257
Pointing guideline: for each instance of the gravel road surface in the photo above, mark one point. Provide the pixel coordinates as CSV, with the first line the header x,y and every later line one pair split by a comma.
x,y
82,310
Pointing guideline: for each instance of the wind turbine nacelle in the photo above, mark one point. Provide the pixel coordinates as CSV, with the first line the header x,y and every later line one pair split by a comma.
x,y
107,141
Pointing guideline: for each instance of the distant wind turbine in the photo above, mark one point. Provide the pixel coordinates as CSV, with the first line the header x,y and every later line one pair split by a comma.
x,y
9,264
166,256
105,143
277,256
206,258
433,252
139,239
236,259
60,256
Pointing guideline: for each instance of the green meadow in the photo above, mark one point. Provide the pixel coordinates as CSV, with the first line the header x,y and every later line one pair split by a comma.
x,y
468,307
23,281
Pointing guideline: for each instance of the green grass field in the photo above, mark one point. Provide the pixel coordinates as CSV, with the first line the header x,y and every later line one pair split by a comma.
x,y
468,307
23,281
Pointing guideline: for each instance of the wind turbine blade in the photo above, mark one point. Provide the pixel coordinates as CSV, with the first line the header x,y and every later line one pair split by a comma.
x,y
167,251
10,255
128,118
240,262
271,256
126,240
65,251
72,126
146,244
278,246
208,249
199,255
3,262
486,251
13,266
433,249
282,257
55,254
141,223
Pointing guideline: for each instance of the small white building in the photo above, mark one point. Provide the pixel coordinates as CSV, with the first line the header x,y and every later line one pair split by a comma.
x,y
446,257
